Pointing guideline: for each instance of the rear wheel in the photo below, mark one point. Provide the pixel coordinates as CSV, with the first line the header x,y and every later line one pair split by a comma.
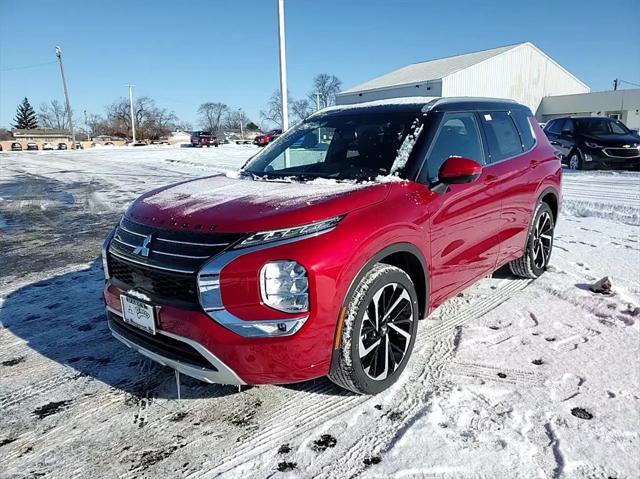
x,y
539,245
378,332
575,161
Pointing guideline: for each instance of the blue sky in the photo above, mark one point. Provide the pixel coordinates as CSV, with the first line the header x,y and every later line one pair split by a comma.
x,y
185,53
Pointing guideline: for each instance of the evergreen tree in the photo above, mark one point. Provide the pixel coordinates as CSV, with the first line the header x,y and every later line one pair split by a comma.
x,y
26,118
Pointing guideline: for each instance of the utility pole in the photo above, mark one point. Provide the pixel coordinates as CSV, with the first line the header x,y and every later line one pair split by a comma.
x,y
86,122
66,96
615,84
317,101
133,121
283,67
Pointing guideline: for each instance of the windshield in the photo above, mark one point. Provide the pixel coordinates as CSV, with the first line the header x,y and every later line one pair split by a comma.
x,y
351,147
601,126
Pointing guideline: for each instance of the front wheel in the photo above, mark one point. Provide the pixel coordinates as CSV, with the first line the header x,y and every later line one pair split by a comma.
x,y
379,329
539,245
575,161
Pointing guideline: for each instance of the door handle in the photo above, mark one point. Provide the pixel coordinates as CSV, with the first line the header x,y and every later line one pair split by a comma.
x,y
491,179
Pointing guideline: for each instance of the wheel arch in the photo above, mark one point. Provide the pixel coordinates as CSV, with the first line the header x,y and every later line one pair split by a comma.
x,y
551,197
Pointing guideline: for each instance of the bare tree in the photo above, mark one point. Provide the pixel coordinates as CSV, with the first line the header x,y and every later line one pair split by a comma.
x,y
235,118
325,88
152,122
301,109
273,112
53,115
211,115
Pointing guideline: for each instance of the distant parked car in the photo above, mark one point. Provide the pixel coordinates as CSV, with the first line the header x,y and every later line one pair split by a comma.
x,y
15,146
590,142
62,146
264,140
140,143
47,146
79,146
0,146
32,146
108,143
203,138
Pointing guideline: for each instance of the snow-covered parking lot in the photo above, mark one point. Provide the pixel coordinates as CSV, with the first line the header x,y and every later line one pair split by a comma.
x,y
511,379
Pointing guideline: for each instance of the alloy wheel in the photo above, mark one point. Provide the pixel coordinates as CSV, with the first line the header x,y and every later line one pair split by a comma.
x,y
542,240
574,162
385,334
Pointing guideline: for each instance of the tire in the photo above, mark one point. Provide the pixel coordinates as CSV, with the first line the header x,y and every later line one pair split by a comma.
x,y
539,245
382,285
575,161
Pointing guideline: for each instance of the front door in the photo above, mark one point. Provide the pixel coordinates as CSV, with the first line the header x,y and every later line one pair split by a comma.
x,y
464,221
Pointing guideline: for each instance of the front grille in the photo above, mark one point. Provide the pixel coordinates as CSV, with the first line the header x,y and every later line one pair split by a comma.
x,y
163,263
160,344
622,152
162,286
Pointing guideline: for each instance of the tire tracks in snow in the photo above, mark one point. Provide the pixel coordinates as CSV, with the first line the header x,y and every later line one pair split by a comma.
x,y
434,347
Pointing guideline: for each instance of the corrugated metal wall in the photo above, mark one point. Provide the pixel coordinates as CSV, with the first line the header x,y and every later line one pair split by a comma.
x,y
523,74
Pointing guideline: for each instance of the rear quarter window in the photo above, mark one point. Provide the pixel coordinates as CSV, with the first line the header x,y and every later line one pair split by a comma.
x,y
523,122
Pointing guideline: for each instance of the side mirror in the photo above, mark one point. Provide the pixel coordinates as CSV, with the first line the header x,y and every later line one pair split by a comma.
x,y
456,170
567,133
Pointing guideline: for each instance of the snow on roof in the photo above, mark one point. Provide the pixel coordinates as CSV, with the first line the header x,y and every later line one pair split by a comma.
x,y
408,100
430,70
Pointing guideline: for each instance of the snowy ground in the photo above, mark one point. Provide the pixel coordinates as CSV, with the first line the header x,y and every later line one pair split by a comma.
x,y
511,379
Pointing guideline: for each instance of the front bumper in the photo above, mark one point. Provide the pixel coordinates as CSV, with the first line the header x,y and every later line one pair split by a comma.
x,y
212,371
599,158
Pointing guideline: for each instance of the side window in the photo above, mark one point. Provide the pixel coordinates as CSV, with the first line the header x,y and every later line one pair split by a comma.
x,y
524,128
554,127
458,136
502,136
567,125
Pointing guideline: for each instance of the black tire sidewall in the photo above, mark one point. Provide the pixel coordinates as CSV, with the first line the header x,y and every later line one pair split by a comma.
x,y
364,382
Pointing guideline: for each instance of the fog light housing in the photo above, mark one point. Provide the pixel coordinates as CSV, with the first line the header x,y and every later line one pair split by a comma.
x,y
284,286
588,158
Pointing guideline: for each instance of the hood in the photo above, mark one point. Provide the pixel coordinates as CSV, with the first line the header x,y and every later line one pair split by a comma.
x,y
613,140
241,205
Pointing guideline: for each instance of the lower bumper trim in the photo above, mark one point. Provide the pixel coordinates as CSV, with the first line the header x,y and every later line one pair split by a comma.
x,y
220,373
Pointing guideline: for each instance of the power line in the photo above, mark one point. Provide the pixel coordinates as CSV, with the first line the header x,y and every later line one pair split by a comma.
x,y
36,65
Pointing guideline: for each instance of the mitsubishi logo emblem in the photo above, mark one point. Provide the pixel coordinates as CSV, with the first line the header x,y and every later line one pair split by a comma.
x,y
143,249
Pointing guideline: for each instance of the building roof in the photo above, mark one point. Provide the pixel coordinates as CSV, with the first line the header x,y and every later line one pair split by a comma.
x,y
41,132
430,70
598,101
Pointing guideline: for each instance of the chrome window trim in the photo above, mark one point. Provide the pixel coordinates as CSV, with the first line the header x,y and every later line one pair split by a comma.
x,y
211,271
223,375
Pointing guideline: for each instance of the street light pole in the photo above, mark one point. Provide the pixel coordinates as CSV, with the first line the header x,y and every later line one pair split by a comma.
x,y
66,96
133,121
283,67
86,123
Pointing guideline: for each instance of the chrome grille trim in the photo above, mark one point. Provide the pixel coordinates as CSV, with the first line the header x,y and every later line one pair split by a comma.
x,y
622,152
191,243
149,265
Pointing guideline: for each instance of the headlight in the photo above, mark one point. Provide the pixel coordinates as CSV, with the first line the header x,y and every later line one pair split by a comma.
x,y
262,237
105,248
284,286
592,145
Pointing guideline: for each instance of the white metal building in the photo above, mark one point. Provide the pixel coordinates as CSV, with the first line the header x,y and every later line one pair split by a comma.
x,y
623,105
519,72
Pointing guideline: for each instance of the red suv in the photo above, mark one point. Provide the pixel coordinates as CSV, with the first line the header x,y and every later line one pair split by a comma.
x,y
323,255
264,140
203,138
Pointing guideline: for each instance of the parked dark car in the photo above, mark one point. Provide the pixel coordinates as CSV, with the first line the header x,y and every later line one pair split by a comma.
x,y
594,142
79,146
32,146
264,140
15,146
203,138
62,146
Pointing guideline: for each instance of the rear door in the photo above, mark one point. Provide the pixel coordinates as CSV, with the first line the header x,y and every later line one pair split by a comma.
x,y
510,139
464,221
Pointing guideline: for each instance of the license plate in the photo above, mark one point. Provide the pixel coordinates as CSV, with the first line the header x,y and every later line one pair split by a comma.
x,y
138,314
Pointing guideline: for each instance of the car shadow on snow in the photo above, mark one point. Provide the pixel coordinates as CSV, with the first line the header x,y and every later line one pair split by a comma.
x,y
63,319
